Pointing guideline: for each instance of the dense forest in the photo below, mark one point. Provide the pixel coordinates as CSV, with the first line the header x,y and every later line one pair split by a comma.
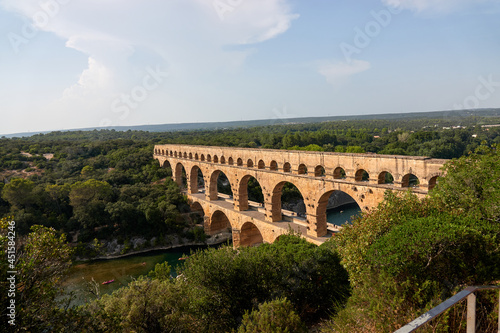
x,y
373,276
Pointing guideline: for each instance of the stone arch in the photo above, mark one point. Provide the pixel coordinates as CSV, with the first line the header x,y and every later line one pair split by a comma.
x,y
287,167
250,235
212,188
195,182
410,180
175,154
180,175
196,156
276,211
243,193
222,160
216,159
202,157
230,161
339,173
190,156
219,222
322,206
171,153
184,155
302,170
249,163
166,164
433,182
319,171
239,162
361,176
273,166
385,177
209,158
261,164
197,213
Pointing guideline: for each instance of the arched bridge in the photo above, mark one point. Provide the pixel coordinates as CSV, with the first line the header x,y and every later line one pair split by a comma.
x,y
364,177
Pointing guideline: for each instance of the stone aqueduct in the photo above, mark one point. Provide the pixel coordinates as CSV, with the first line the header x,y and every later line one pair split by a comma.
x,y
316,174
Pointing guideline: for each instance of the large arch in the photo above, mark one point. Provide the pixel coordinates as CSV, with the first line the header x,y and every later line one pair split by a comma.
x,y
246,194
195,181
340,199
250,235
219,222
276,202
213,187
180,175
197,213
433,182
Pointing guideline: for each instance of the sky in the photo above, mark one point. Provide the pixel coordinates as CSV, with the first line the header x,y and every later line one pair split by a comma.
x,y
67,64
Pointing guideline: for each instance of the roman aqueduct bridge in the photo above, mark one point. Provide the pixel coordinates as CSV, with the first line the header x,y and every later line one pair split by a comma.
x,y
316,175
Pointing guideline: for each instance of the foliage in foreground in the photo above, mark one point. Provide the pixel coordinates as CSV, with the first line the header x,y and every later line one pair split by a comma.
x,y
411,254
217,287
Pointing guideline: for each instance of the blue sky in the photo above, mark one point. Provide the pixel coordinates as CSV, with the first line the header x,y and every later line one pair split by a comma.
x,y
72,63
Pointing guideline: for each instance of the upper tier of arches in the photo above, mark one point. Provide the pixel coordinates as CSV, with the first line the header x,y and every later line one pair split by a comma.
x,y
394,171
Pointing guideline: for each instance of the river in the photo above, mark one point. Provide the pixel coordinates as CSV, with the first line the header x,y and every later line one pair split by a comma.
x,y
342,214
122,270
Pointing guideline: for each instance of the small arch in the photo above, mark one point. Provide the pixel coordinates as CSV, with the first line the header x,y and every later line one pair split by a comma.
x,y
261,164
179,155
273,166
209,158
185,155
196,156
319,171
190,156
249,163
302,170
433,182
385,177
361,176
175,154
250,235
230,161
216,159
287,167
410,180
222,160
202,158
171,153
339,173
239,162
219,223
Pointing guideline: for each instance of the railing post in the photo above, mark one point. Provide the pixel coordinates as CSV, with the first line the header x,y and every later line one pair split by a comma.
x,y
499,311
471,313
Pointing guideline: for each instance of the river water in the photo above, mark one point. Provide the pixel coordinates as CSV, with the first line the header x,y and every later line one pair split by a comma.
x,y
122,270
342,214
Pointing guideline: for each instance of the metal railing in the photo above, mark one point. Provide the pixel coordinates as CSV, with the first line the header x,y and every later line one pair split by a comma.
x,y
468,293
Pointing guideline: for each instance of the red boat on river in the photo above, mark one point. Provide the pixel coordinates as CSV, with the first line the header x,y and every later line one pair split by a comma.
x,y
108,282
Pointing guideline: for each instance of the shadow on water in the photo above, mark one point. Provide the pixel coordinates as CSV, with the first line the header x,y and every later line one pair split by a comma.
x,y
122,271
343,214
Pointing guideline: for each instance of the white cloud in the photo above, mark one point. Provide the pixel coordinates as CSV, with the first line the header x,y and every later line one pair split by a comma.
x,y
438,6
122,38
336,73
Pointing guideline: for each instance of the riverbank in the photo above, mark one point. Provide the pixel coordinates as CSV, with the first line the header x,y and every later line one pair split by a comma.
x,y
112,250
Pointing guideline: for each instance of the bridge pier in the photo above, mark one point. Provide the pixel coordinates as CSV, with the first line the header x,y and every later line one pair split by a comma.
x,y
316,225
